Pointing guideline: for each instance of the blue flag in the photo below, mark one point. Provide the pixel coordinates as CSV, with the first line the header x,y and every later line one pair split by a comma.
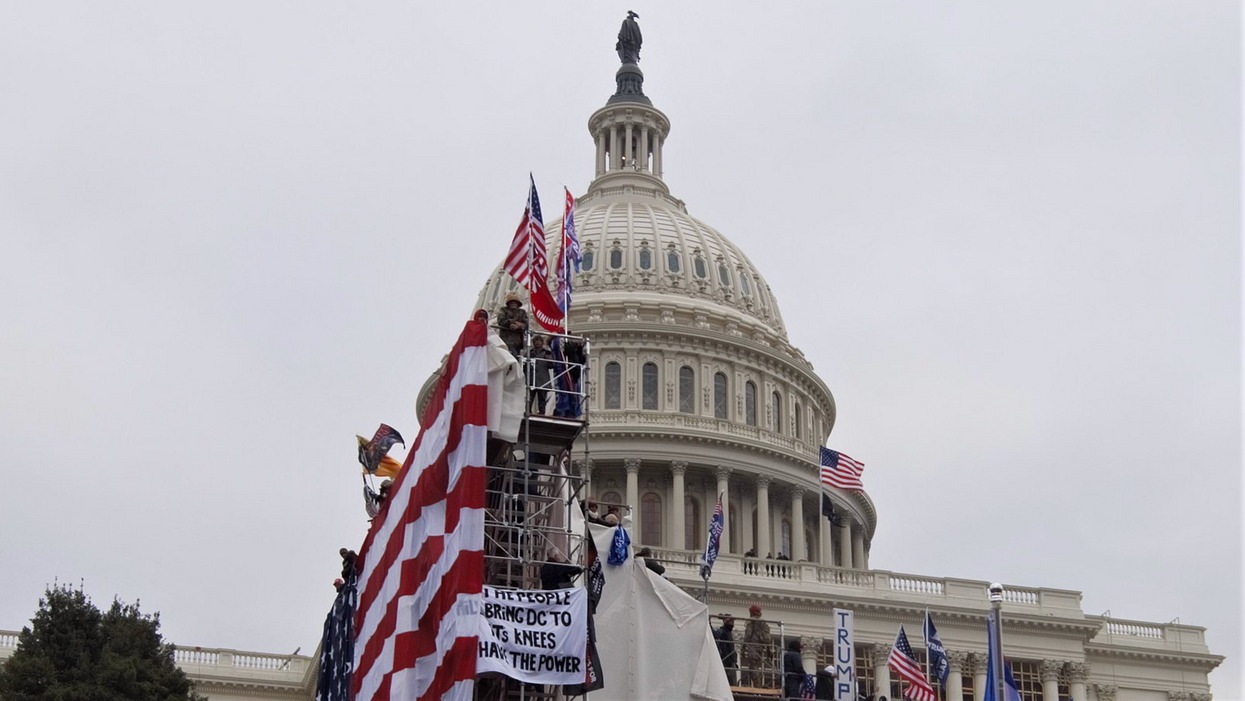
x,y
939,665
716,524
337,645
619,547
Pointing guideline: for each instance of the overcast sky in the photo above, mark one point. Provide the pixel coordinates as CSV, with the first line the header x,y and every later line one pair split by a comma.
x,y
234,234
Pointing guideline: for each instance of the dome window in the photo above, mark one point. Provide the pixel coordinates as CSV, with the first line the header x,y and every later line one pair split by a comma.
x,y
585,263
687,390
744,286
719,396
648,381
777,400
672,262
613,385
797,421
724,275
750,403
616,258
698,264
646,258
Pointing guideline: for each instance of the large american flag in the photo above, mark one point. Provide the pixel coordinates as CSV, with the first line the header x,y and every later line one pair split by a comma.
x,y
903,663
840,471
568,254
527,257
421,567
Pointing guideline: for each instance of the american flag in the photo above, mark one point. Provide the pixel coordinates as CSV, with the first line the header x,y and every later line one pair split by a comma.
x,y
568,255
808,690
527,257
840,471
421,567
903,663
337,645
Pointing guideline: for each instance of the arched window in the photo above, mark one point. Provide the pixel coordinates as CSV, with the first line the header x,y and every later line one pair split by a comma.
x,y
809,542
648,381
756,546
777,400
691,523
672,262
616,258
719,396
610,498
585,263
613,385
743,284
650,519
724,275
646,259
687,390
786,538
750,403
798,421
698,265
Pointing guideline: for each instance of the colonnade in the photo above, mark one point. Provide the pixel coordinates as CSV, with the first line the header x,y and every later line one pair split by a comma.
x,y
842,545
636,146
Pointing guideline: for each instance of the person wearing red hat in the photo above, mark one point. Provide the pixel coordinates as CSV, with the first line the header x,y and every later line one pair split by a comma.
x,y
755,649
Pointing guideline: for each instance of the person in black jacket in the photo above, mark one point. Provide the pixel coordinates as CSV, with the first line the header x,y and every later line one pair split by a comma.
x,y
792,670
647,554
825,683
558,573
725,639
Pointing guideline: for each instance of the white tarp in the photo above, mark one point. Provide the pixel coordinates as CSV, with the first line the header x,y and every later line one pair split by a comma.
x,y
653,639
505,390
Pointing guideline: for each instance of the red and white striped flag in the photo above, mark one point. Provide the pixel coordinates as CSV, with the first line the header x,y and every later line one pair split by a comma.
x,y
527,260
421,567
904,664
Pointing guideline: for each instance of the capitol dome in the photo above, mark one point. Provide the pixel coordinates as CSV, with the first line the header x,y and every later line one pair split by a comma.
x,y
695,388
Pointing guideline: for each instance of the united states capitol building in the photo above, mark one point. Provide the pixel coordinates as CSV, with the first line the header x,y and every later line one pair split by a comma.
x,y
697,390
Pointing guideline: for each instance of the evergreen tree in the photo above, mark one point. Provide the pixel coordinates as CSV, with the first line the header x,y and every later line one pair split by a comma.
x,y
74,652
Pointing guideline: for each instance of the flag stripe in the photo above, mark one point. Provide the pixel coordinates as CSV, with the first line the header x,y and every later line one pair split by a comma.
x,y
422,564
903,662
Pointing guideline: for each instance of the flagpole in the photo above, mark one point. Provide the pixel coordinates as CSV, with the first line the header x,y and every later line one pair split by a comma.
x,y
996,663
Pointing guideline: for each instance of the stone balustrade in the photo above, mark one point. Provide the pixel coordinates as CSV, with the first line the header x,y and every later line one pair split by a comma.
x,y
1160,636
214,662
683,567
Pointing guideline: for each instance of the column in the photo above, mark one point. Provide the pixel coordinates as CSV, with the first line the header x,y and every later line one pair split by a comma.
x,y
633,490
629,148
827,547
615,163
658,141
808,653
955,674
763,537
678,468
1050,678
979,675
845,543
745,520
644,149
600,152
724,474
881,672
858,547
1078,673
798,549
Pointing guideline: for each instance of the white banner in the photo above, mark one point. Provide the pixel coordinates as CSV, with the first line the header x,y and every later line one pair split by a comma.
x,y
539,637
844,655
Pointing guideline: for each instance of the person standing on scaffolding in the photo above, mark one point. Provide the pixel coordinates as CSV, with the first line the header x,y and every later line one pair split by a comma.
x,y
756,649
512,324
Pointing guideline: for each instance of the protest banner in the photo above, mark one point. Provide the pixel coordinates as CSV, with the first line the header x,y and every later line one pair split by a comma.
x,y
538,637
844,655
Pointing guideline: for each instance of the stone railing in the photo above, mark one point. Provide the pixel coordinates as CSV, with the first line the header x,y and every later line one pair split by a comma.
x,y
684,565
206,663
1171,636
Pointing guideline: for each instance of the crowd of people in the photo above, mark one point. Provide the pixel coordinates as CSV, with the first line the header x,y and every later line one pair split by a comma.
x,y
751,663
548,375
